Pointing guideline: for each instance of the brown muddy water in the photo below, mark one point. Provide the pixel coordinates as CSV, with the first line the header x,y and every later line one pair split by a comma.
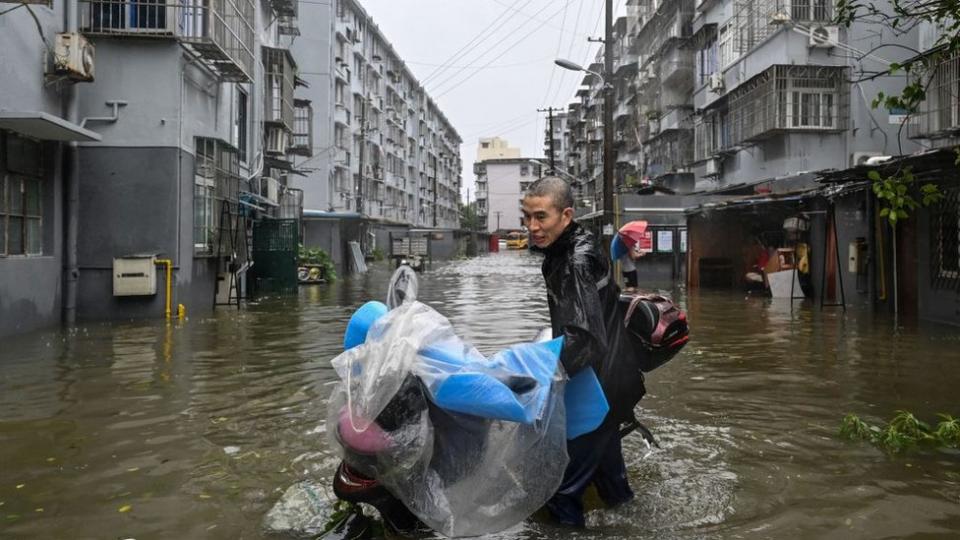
x,y
193,430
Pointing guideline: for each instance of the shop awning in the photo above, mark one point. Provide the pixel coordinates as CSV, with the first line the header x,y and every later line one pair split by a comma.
x,y
45,126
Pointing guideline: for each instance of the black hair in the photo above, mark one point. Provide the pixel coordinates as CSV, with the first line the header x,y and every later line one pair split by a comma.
x,y
554,187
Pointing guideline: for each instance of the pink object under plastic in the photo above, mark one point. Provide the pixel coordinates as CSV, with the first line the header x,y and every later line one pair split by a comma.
x,y
368,441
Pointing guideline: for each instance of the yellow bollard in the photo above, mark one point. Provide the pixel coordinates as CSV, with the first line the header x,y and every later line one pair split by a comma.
x,y
181,311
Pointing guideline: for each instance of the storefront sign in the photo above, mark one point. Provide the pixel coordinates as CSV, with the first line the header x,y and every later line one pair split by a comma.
x,y
664,241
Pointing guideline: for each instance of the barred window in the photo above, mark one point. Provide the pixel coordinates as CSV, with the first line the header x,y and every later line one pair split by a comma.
x,y
945,242
215,195
21,208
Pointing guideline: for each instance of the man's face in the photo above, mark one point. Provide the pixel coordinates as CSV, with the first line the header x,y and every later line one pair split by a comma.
x,y
544,220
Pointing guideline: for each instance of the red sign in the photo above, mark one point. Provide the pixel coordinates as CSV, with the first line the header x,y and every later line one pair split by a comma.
x,y
645,244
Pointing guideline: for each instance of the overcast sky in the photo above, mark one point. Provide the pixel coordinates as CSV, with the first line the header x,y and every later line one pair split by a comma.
x,y
489,63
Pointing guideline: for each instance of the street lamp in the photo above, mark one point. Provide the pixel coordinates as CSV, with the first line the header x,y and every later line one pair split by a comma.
x,y
573,66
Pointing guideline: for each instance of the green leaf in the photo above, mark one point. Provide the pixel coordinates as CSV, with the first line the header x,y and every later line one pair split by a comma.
x,y
892,216
884,212
901,189
901,214
873,175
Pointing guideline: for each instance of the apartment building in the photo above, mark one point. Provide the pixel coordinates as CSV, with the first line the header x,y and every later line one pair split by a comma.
x,y
184,119
384,150
501,183
554,142
496,148
713,93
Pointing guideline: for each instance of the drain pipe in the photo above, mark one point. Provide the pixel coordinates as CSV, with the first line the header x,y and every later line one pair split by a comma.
x,y
71,191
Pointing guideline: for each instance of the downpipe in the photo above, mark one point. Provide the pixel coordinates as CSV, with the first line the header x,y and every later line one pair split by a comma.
x,y
72,192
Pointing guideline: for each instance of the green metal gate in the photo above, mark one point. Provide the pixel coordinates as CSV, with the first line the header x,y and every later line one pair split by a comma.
x,y
275,252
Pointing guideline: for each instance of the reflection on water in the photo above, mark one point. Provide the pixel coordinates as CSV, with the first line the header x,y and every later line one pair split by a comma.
x,y
193,430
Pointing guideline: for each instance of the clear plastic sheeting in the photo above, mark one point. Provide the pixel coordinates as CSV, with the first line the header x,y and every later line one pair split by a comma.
x,y
304,511
469,444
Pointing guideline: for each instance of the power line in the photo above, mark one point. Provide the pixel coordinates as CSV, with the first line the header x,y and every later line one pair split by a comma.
x,y
466,48
563,73
508,49
516,64
487,51
553,71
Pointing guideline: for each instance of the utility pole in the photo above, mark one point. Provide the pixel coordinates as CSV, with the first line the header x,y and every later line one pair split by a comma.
x,y
549,111
498,212
608,217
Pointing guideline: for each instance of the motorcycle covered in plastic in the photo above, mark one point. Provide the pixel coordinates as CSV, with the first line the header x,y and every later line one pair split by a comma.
x,y
433,431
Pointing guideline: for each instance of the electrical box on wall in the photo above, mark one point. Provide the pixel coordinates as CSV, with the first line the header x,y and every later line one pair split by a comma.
x,y
135,275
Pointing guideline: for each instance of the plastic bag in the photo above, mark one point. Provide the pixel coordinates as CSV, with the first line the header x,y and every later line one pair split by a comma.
x,y
470,445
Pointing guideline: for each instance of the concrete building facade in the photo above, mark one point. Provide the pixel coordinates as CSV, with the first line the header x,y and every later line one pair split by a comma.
x,y
496,148
383,146
187,120
500,186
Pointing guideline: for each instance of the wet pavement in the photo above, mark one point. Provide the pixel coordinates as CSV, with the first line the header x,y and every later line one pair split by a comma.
x,y
193,430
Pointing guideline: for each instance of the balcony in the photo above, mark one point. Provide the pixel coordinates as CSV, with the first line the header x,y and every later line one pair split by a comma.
x,y
278,91
220,32
787,98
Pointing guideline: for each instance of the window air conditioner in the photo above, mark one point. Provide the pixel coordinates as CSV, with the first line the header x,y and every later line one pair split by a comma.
x,y
824,36
73,57
716,82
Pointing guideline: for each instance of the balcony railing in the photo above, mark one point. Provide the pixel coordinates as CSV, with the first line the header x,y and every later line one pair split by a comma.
x,y
786,98
220,32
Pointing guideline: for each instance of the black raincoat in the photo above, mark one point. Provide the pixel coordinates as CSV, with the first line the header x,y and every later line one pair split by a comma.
x,y
585,309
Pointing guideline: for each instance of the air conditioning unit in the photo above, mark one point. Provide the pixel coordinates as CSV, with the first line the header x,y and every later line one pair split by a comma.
x,y
271,189
712,167
716,82
277,140
824,36
73,57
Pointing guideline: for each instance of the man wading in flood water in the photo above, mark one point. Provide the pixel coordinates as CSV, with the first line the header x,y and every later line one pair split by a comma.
x,y
583,300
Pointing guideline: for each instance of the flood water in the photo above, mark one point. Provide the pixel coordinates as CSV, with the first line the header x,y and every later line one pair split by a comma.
x,y
193,430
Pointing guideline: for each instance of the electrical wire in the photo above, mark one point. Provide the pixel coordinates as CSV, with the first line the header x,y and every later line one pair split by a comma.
x,y
488,50
553,71
505,51
469,46
563,73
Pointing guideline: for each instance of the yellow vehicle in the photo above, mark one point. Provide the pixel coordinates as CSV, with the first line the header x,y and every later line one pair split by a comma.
x,y
517,240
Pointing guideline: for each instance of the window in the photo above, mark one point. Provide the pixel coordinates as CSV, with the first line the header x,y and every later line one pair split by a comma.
x,y
21,208
216,186
524,170
145,15
240,125
811,109
485,145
